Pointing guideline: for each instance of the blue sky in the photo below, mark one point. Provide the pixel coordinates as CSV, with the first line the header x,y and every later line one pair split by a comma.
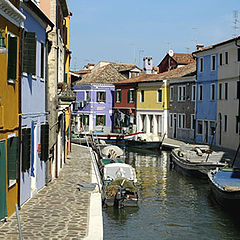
x,y
127,31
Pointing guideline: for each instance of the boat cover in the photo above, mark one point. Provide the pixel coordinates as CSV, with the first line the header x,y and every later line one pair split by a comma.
x,y
227,178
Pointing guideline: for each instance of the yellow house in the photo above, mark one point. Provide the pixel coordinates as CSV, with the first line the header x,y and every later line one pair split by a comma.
x,y
152,105
11,19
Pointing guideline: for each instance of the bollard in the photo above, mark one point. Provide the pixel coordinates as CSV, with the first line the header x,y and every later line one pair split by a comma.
x,y
18,222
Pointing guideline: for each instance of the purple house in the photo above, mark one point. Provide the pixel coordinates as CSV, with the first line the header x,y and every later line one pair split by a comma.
x,y
93,109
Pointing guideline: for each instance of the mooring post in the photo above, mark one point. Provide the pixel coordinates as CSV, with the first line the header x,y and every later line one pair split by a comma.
x,y
18,222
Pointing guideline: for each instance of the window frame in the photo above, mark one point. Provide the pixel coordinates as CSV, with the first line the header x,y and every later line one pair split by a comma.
x,y
220,59
118,95
99,100
201,64
213,62
171,92
194,92
104,120
220,91
212,92
226,58
198,122
225,91
181,96
141,96
200,92
131,95
159,96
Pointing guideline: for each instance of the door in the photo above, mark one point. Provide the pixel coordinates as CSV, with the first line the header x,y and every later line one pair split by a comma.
x,y
175,126
205,132
3,199
33,158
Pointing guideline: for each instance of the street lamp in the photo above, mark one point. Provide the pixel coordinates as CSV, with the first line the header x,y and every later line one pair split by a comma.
x,y
3,48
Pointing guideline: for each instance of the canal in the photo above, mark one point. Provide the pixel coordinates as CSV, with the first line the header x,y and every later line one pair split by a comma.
x,y
171,206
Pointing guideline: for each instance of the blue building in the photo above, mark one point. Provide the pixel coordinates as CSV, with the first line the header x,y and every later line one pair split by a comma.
x,y
34,127
206,95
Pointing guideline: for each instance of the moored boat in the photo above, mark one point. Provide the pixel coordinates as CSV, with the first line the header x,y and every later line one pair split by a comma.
x,y
225,185
119,185
145,141
196,160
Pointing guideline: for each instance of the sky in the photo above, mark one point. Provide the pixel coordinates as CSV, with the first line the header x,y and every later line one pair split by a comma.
x,y
128,30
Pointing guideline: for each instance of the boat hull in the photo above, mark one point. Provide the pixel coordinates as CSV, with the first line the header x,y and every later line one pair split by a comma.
x,y
198,170
143,144
110,202
227,199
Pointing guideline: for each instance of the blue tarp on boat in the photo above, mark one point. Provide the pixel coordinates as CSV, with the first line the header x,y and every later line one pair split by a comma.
x,y
227,178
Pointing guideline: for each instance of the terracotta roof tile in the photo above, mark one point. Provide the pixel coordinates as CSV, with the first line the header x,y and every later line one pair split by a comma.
x,y
183,58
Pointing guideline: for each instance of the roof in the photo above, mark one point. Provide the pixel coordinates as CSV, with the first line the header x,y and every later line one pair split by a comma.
x,y
183,58
107,73
184,71
81,71
217,44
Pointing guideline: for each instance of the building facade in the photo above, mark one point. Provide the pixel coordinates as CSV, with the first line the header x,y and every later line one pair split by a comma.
x,y
93,108
11,22
34,127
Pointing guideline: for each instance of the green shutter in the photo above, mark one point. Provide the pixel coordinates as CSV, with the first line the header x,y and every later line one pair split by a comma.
x,y
66,78
133,95
12,157
104,120
44,142
104,96
26,148
12,58
120,95
29,53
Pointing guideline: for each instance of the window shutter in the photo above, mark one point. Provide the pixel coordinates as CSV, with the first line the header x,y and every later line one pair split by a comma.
x,y
29,53
12,155
133,94
104,120
44,142
12,58
26,148
128,95
104,96
120,96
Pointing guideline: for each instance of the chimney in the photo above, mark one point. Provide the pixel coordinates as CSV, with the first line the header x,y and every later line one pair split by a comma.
x,y
147,65
199,47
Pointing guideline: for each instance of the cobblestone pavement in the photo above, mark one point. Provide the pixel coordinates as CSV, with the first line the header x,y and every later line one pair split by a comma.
x,y
60,210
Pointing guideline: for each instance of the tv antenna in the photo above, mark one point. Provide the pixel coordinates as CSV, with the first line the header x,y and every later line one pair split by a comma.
x,y
235,23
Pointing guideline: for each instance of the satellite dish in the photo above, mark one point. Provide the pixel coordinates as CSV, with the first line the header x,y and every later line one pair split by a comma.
x,y
170,53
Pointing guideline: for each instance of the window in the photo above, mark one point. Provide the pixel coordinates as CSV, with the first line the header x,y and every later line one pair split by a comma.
x,y
12,58
87,96
226,57
12,158
201,65
101,97
226,91
42,60
192,121
213,63
159,96
225,123
220,91
85,120
142,96
131,96
212,97
171,93
220,59
194,93
44,142
118,95
238,54
200,97
29,53
181,120
212,128
238,89
100,120
181,93
171,120
200,127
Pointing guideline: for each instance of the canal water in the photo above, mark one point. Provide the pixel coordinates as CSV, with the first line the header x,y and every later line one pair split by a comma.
x,y
171,206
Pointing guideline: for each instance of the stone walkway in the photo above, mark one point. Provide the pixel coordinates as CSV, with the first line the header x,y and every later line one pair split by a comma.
x,y
60,210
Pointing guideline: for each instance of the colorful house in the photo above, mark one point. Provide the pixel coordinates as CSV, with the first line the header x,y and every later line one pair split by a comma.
x,y
125,106
152,104
34,144
219,61
95,96
93,108
11,20
206,97
182,97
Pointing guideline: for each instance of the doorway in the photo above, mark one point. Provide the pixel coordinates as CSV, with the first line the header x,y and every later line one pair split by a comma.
x,y
206,132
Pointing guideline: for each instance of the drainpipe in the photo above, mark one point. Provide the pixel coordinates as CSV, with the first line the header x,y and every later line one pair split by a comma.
x,y
21,33
46,93
238,91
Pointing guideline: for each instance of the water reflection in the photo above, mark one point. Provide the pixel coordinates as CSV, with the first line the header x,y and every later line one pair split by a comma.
x,y
171,206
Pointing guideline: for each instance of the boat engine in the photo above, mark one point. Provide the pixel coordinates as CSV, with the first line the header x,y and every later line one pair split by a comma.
x,y
120,197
